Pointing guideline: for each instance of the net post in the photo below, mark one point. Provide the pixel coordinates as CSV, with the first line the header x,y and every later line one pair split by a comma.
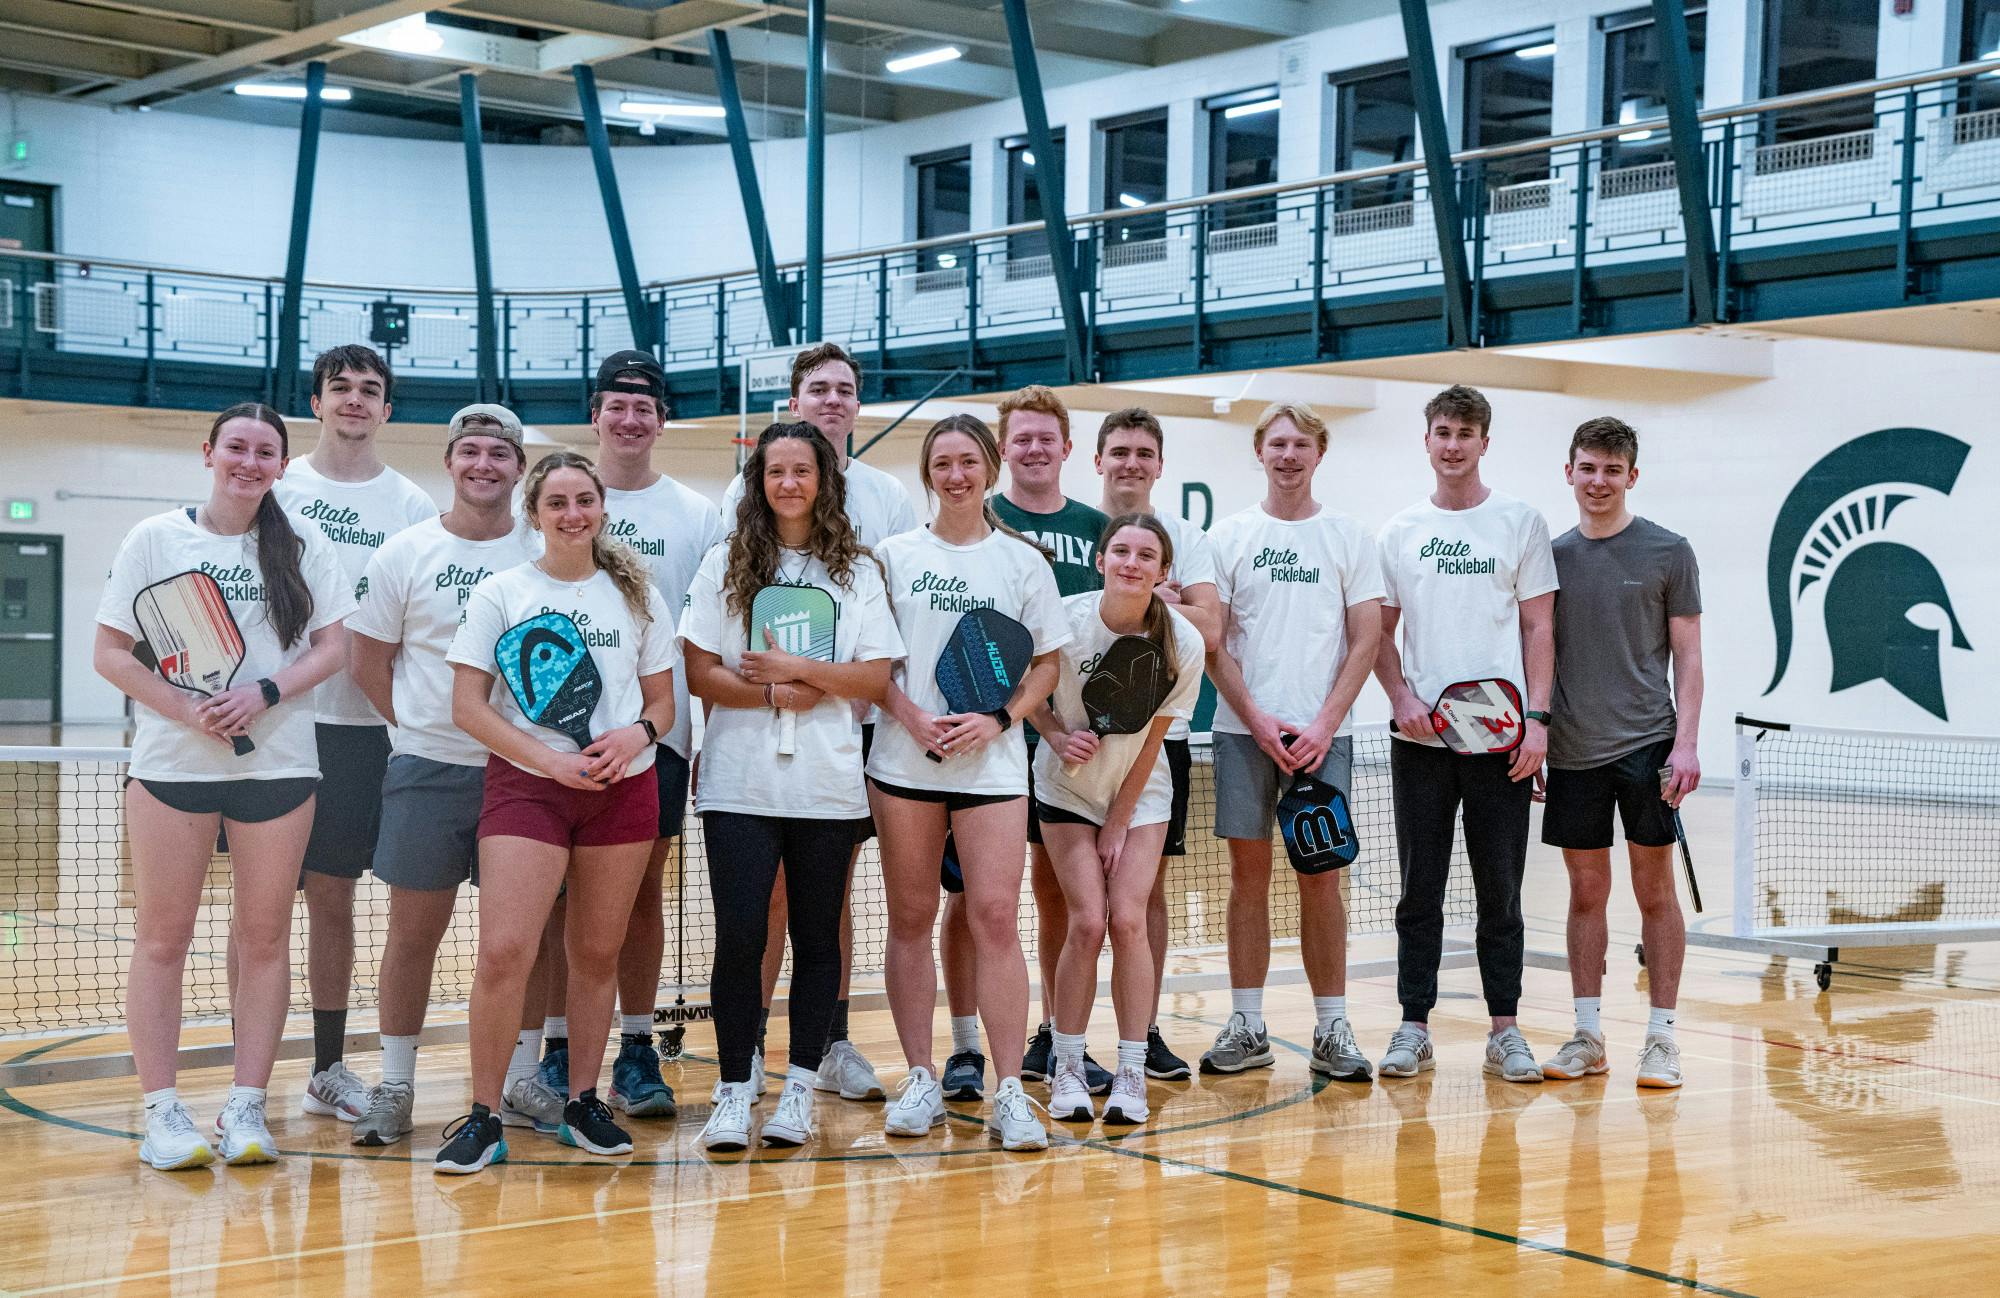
x,y
1744,874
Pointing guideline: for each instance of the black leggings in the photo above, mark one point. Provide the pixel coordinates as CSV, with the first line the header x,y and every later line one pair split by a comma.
x,y
743,856
1431,782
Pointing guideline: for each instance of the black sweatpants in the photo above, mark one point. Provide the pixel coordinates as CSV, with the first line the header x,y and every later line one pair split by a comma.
x,y
1431,782
743,856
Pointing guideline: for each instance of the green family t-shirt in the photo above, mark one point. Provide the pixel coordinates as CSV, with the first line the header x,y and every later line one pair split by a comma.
x,y
1071,532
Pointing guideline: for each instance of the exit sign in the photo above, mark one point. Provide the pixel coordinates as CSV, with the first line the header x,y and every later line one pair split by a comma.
x,y
20,511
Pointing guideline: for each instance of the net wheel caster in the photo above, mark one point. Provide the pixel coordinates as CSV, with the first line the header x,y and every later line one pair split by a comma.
x,y
671,1040
1640,951
1823,975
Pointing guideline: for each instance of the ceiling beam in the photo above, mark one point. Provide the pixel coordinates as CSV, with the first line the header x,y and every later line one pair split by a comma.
x,y
330,20
781,49
125,31
68,58
272,17
1268,17
1105,52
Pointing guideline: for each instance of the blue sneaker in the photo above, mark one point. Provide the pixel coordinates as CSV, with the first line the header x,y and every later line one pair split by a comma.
x,y
965,1076
636,1088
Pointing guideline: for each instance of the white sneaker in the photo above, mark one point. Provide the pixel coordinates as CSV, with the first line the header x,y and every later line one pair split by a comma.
x,y
1069,1093
728,1128
171,1142
1128,1097
1409,1053
242,1135
919,1104
1660,1063
846,1072
1581,1056
1013,1122
335,1092
757,1076
792,1125
1508,1057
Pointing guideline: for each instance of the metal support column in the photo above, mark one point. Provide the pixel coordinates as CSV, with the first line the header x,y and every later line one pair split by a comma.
x,y
287,378
746,184
614,209
1441,175
1690,159
815,169
1048,186
482,260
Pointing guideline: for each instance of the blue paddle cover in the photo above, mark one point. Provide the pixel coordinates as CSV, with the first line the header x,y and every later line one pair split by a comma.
x,y
984,661
549,671
1318,829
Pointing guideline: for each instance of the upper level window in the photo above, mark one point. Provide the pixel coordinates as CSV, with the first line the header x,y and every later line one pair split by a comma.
x,y
944,204
1242,151
1635,81
1375,123
1509,91
1024,198
1813,44
1135,173
1979,38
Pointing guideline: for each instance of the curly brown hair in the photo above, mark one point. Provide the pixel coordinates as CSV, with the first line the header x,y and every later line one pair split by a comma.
x,y
754,545
628,571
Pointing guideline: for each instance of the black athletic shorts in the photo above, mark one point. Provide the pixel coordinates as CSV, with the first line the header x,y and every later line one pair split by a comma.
x,y
1578,812
673,769
247,802
864,828
951,798
352,762
1180,764
1057,816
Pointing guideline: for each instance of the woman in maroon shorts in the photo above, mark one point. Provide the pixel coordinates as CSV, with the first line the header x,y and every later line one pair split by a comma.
x,y
554,816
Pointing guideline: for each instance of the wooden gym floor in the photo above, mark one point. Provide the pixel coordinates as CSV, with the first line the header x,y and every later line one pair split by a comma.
x,y
1837,1143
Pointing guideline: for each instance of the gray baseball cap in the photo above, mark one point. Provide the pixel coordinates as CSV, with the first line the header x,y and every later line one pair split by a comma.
x,y
508,430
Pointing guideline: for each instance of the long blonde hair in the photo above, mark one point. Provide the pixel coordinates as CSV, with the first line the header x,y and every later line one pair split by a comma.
x,y
989,451
628,571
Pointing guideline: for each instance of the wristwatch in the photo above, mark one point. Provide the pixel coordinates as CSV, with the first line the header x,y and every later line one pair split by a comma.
x,y
652,731
270,688
1004,717
1537,715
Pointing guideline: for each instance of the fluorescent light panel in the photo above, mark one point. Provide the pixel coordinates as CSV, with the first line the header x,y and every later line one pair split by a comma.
x,y
1131,200
269,90
929,58
1252,109
643,108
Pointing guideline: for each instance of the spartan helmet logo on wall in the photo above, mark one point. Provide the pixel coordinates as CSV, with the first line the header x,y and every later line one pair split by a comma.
x,y
1828,531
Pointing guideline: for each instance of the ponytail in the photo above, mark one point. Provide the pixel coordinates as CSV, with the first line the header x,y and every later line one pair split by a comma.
x,y
287,598
628,571
989,451
1159,622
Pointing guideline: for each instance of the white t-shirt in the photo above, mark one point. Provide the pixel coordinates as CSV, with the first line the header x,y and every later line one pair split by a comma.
x,y
931,585
624,648
671,526
1459,576
1194,565
1089,792
172,543
415,594
1288,585
740,767
878,504
357,517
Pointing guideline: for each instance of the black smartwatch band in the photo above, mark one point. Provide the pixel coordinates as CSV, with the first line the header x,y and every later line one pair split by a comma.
x,y
1538,715
1004,717
270,688
652,731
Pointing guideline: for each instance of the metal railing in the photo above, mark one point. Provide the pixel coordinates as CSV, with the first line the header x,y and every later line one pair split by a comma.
x,y
1889,155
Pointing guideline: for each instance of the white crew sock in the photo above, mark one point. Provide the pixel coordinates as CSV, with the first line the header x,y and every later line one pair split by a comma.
x,y
1328,1008
1421,1029
1249,1002
1069,1046
246,1093
803,1077
1660,1023
636,1025
399,1059
1587,1008
527,1055
1132,1054
557,1026
964,1033
164,1096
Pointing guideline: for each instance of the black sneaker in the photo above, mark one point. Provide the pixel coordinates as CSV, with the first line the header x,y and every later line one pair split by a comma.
x,y
587,1125
1035,1064
472,1142
1095,1078
965,1076
1162,1063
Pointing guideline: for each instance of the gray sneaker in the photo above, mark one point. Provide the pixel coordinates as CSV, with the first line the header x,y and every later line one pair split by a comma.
x,y
1335,1055
1581,1056
529,1102
1409,1054
1508,1056
388,1117
1237,1048
1660,1063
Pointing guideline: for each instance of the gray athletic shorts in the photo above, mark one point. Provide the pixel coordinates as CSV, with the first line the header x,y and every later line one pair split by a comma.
x,y
430,824
1247,784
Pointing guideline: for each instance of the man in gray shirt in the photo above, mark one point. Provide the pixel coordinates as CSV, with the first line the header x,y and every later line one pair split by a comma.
x,y
1620,738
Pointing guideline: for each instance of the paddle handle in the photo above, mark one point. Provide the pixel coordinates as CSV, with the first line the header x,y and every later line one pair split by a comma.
x,y
243,746
1687,861
788,732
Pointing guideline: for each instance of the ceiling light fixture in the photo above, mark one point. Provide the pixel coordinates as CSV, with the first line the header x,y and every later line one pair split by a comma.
x,y
929,58
269,90
411,34
1131,200
644,108
1251,110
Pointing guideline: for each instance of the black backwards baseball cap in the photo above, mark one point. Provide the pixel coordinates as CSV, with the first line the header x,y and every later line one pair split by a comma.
x,y
632,371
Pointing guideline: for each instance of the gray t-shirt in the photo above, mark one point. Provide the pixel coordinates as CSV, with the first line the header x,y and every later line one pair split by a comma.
x,y
1612,695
